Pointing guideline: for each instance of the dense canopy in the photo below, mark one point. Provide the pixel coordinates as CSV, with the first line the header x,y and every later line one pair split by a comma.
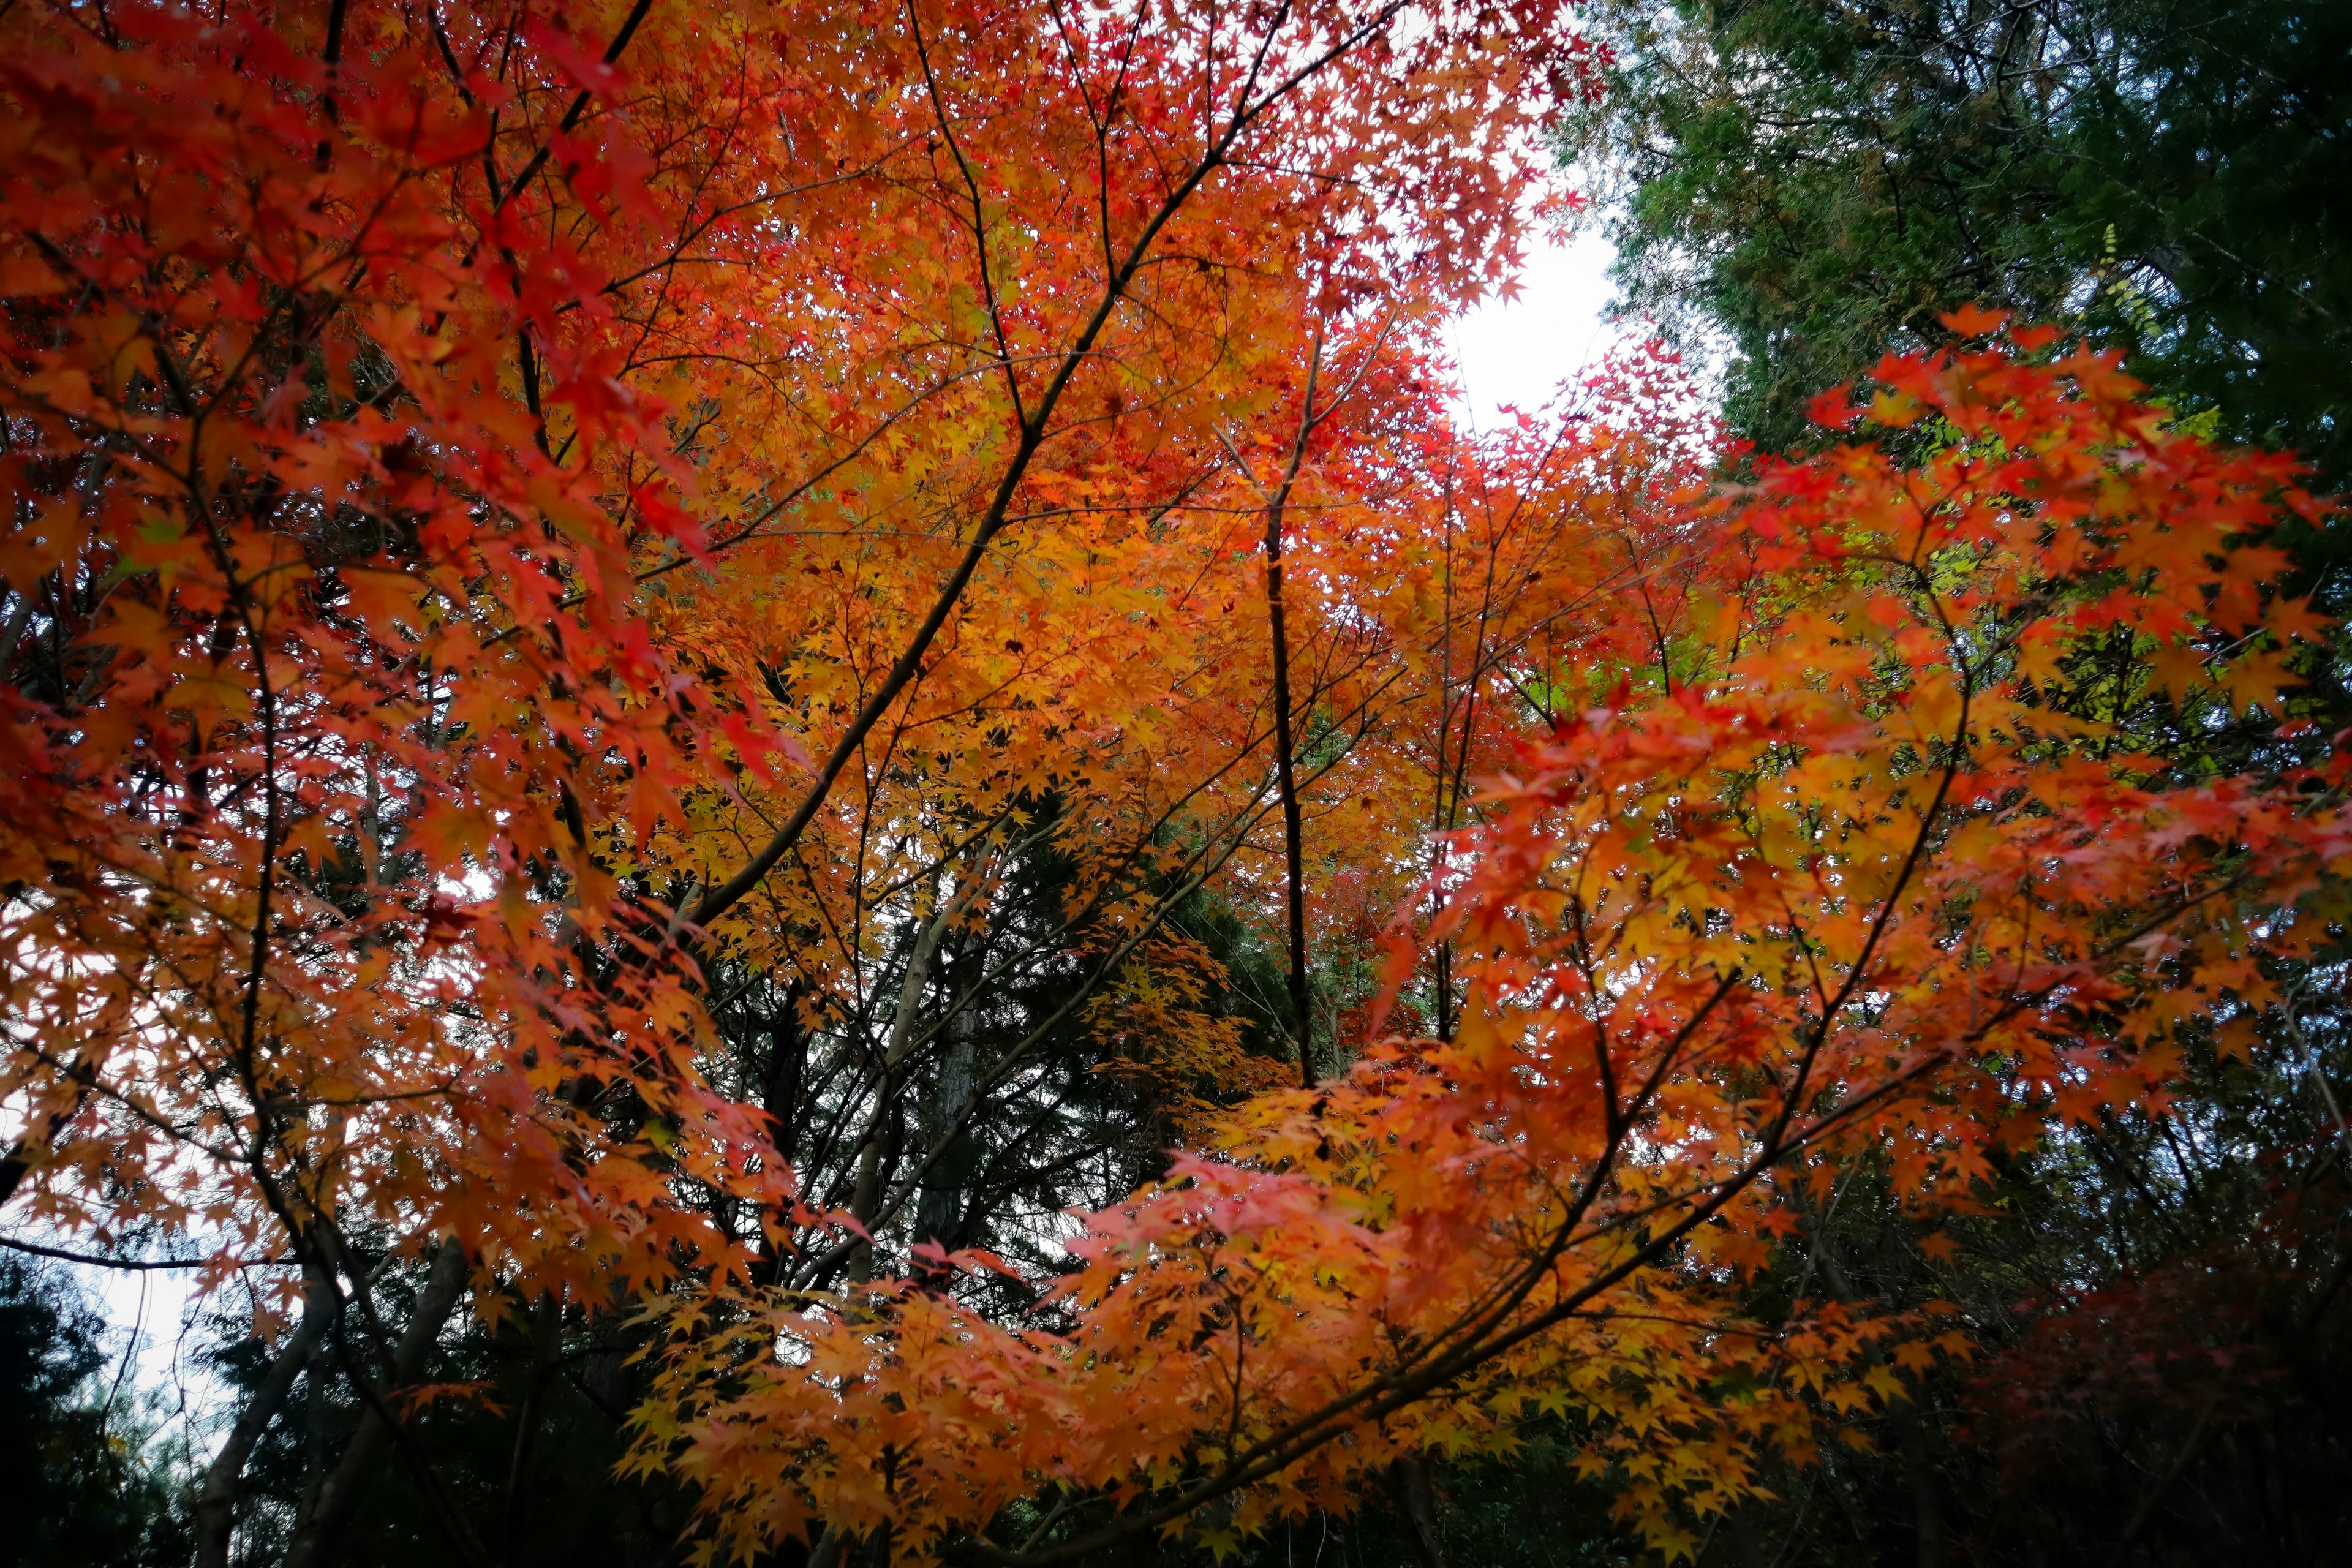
x,y
786,750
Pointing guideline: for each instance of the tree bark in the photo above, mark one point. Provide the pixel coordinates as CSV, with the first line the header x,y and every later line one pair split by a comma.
x,y
1302,1016
546,1336
878,1150
340,1498
225,1477
939,1206
1286,777
1419,1505
780,1096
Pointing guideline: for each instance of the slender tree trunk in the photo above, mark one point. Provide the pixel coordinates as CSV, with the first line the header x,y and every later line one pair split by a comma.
x,y
1419,1506
338,1498
225,1477
1926,1497
876,1159
1286,777
1910,1429
939,1208
787,1063
788,1045
314,1435
878,1154
1302,1013
546,1337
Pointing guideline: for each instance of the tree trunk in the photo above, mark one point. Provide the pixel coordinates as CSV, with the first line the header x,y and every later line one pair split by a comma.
x,y
939,1208
225,1477
340,1498
878,1154
788,1044
1418,1504
546,1336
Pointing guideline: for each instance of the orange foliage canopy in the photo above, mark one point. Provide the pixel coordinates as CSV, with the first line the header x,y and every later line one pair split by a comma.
x,y
432,422
515,512
1851,872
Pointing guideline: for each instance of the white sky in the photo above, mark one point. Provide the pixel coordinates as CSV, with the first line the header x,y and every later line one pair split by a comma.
x,y
1520,352
154,1304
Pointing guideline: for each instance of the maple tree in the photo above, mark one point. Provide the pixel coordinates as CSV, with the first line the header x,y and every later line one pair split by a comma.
x,y
1893,894
660,664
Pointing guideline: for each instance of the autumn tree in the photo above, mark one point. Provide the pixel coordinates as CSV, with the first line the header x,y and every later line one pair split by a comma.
x,y
1810,186
674,678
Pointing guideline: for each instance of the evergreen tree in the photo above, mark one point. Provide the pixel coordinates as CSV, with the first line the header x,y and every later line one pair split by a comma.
x,y
77,1494
1813,182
